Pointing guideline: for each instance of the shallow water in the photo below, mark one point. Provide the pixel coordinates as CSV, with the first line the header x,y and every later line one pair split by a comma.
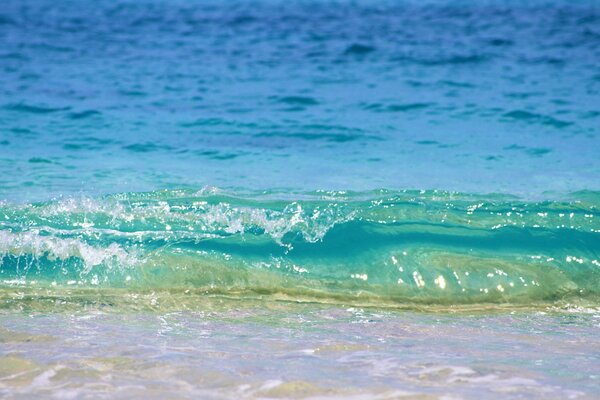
x,y
191,199
236,349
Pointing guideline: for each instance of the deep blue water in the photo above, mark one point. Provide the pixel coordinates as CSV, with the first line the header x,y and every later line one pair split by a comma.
x,y
123,96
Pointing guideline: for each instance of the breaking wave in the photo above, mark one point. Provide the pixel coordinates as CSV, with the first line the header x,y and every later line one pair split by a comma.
x,y
377,247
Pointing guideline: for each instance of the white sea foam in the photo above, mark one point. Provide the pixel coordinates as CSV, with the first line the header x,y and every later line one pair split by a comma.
x,y
36,245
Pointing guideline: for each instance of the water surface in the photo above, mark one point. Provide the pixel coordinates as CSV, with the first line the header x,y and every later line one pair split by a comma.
x,y
299,199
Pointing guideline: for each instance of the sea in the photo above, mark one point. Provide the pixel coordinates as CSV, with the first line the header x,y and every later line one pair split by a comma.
x,y
300,199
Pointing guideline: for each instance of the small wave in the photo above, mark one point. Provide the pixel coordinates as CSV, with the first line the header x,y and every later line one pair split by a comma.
x,y
530,117
84,114
40,160
298,100
449,60
33,109
532,151
408,107
359,49
146,147
342,137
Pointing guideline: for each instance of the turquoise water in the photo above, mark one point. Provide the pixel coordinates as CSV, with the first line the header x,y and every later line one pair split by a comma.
x,y
383,248
295,171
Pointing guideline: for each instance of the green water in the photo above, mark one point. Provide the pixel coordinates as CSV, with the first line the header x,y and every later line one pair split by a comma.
x,y
384,248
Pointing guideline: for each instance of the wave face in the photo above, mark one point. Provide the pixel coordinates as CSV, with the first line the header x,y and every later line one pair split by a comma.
x,y
379,247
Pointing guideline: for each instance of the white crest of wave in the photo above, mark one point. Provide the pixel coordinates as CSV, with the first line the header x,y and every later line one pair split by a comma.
x,y
36,245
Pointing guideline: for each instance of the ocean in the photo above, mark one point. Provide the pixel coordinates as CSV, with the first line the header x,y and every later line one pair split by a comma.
x,y
300,199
